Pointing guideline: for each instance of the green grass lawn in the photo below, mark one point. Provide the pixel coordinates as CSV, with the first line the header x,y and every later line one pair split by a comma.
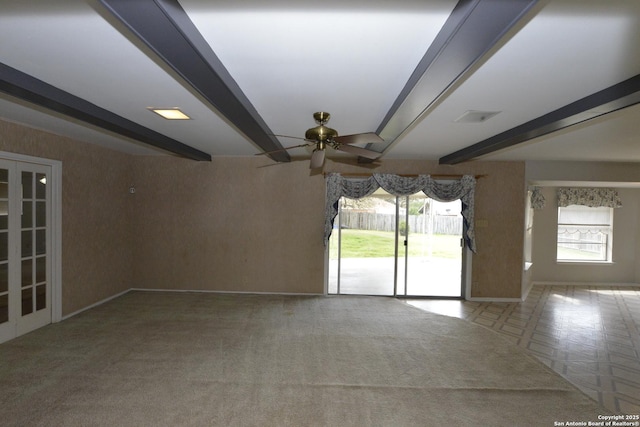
x,y
375,244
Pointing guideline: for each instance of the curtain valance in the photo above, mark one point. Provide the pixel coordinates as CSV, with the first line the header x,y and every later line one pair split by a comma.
x,y
463,189
592,197
538,200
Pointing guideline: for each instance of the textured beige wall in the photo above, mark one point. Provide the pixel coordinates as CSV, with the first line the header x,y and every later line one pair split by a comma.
x,y
234,224
96,213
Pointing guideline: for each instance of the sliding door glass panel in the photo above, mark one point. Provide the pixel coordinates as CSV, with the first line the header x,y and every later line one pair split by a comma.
x,y
366,244
434,260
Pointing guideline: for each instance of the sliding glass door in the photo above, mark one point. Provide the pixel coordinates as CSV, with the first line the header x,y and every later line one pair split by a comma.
x,y
396,246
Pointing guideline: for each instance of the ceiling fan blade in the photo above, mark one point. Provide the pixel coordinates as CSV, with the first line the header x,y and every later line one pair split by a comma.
x,y
359,151
317,159
283,149
357,138
292,137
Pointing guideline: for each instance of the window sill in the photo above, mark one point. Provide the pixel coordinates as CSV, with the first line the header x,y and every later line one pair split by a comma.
x,y
576,262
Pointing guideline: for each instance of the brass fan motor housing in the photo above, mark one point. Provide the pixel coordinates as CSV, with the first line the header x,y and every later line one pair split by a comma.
x,y
321,133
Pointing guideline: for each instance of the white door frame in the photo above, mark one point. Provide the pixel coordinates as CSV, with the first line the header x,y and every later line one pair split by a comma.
x,y
56,226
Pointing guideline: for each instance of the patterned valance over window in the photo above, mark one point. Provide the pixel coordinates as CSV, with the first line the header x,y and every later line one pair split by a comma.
x,y
537,198
591,197
463,189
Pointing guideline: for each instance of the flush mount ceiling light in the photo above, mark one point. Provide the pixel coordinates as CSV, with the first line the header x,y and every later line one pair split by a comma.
x,y
170,113
475,116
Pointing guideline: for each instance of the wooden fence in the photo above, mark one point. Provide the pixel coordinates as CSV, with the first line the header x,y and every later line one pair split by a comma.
x,y
438,224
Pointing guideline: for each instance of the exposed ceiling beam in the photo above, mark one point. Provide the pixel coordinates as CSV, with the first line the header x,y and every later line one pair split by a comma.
x,y
613,98
472,29
169,32
23,86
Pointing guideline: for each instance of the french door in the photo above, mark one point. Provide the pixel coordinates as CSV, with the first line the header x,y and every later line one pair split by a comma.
x,y
396,246
25,247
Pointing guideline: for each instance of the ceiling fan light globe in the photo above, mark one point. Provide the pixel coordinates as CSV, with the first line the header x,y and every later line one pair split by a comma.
x,y
317,159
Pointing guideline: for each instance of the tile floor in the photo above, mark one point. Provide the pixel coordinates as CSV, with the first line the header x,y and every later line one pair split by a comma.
x,y
588,334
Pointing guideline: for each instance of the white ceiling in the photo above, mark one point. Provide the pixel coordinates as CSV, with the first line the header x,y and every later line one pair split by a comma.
x,y
350,58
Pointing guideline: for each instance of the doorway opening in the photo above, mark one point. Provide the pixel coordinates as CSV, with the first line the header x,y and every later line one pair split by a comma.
x,y
404,246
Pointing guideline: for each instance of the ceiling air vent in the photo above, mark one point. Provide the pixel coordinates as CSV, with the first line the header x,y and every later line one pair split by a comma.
x,y
475,116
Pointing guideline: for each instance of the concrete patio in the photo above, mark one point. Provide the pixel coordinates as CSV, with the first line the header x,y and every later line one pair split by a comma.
x,y
427,276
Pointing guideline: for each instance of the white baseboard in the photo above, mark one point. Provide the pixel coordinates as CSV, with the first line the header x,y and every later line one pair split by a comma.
x,y
600,284
206,291
94,304
489,299
525,291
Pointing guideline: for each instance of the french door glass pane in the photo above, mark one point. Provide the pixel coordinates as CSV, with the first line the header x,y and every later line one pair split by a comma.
x,y
27,214
27,185
4,245
27,243
41,186
27,272
4,183
4,308
4,277
41,269
27,301
41,297
41,214
4,213
41,242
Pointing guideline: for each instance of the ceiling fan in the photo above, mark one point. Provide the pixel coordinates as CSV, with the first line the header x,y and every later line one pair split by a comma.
x,y
322,137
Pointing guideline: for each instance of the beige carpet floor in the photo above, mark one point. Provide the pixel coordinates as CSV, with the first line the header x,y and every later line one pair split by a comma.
x,y
173,359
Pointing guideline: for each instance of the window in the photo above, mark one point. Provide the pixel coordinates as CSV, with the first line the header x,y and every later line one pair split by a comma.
x,y
584,234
